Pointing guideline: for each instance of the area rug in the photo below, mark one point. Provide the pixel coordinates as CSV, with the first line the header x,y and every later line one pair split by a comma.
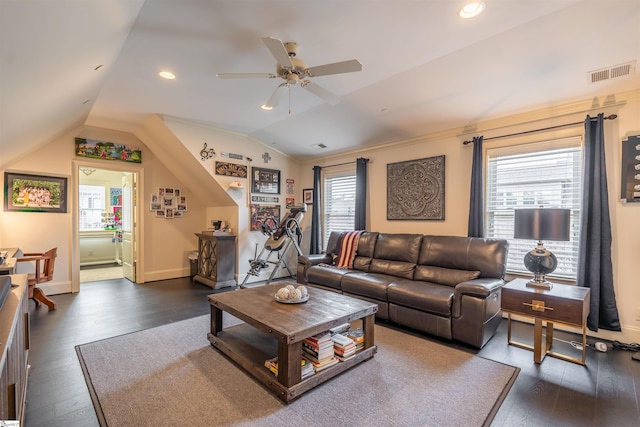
x,y
172,376
107,273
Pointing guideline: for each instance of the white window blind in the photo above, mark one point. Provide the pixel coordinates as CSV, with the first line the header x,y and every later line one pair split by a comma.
x,y
339,204
92,200
533,175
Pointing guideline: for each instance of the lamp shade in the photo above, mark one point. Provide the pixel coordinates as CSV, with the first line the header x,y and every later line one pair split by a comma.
x,y
542,224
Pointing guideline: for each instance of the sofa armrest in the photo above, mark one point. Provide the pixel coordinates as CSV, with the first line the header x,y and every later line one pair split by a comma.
x,y
478,288
311,260
307,261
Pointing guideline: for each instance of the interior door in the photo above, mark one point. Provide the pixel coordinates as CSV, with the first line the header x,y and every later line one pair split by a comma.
x,y
128,226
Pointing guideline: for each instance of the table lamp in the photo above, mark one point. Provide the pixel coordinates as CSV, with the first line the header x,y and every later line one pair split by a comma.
x,y
541,224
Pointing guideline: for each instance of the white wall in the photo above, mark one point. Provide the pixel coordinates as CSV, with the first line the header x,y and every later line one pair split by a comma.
x,y
193,136
166,243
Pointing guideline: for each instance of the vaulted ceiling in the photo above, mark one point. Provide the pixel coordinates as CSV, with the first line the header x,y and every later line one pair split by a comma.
x,y
424,69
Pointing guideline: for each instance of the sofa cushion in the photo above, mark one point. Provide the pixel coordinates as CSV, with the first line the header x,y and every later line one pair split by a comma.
x,y
396,254
424,296
367,284
465,253
364,253
444,276
326,275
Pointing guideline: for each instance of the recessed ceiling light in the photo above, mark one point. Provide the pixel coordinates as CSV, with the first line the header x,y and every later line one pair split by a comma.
x,y
167,75
472,9
266,107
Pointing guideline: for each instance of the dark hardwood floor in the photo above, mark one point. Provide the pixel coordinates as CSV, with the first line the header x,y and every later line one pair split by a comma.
x,y
606,392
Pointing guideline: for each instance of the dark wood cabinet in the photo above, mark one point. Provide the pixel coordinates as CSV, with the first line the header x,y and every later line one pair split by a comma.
x,y
216,260
14,344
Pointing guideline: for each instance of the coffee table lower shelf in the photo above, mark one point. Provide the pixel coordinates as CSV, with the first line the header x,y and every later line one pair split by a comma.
x,y
249,348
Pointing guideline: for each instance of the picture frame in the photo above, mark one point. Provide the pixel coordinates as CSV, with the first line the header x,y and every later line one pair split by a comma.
x,y
307,196
415,189
35,193
265,181
105,150
264,214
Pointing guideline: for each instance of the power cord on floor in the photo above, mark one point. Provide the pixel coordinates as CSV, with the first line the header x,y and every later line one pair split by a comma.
x,y
630,347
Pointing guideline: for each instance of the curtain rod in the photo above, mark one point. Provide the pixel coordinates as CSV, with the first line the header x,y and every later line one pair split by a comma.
x,y
610,117
340,164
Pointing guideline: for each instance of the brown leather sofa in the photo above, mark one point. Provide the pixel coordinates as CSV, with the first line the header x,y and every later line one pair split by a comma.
x,y
447,286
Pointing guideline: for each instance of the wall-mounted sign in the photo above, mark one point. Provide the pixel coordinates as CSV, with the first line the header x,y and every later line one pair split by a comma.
x,y
232,156
231,169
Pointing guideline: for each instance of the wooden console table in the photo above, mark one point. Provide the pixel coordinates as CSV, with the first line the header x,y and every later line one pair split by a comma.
x,y
14,345
564,304
216,260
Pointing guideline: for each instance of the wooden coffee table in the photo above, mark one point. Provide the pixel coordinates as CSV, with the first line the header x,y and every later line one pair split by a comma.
x,y
273,328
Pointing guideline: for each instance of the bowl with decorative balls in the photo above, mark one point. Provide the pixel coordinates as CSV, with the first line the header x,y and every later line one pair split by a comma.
x,y
292,295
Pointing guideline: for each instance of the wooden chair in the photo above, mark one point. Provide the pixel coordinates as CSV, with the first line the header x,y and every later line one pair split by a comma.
x,y
44,273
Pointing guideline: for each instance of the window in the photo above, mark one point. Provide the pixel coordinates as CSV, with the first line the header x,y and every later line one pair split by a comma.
x,y
545,174
339,203
92,200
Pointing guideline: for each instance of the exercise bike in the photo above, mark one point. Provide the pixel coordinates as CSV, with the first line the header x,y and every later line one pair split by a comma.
x,y
281,239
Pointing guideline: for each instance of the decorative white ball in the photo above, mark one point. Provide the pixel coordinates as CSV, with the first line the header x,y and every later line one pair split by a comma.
x,y
291,288
303,291
283,293
295,294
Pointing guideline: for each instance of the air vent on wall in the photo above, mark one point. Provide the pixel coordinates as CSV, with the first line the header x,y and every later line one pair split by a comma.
x,y
612,72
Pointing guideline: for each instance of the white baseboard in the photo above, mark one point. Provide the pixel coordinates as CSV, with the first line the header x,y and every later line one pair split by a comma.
x,y
55,288
173,273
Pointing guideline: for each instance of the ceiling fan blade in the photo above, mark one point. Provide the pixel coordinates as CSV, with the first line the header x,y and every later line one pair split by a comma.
x,y
335,68
245,75
276,96
278,51
321,92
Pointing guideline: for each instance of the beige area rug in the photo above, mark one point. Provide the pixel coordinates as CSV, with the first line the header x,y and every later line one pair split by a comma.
x,y
172,376
96,274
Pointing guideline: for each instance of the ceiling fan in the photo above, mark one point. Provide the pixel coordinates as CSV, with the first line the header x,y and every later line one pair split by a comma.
x,y
294,70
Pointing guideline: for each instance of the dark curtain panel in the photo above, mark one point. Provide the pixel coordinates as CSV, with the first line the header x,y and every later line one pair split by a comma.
x,y
361,194
595,270
476,204
315,246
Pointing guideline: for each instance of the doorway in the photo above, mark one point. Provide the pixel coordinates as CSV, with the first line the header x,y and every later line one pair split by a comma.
x,y
105,214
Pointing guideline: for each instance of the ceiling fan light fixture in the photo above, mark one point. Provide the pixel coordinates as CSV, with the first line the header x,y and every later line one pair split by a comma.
x,y
167,75
471,9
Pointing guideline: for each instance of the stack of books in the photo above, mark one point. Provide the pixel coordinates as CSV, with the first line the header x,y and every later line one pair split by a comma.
x,y
340,329
307,368
357,335
343,347
318,350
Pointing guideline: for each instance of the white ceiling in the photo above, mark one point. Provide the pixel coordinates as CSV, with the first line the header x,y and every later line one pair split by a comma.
x,y
424,68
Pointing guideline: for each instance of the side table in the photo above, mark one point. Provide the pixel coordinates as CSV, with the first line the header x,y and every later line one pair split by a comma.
x,y
216,259
564,304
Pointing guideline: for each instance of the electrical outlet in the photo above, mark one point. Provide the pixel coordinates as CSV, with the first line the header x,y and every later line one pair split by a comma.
x,y
91,254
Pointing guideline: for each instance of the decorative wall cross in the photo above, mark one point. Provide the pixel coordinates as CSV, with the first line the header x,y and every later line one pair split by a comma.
x,y
266,157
